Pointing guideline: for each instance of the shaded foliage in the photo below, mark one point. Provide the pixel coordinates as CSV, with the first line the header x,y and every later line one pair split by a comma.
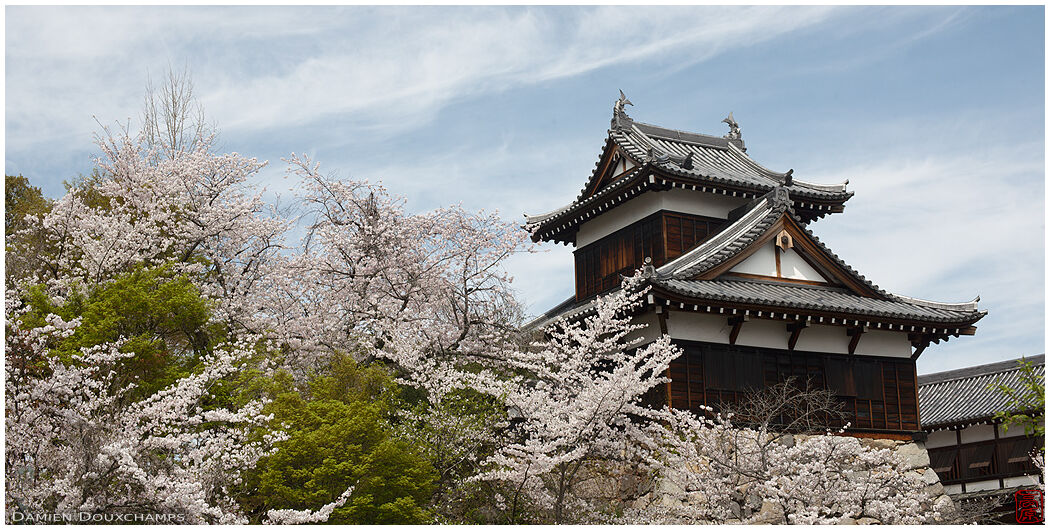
x,y
1027,408
160,315
340,435
25,248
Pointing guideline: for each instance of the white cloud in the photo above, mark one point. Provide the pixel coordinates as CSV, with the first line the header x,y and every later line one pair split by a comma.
x,y
928,220
395,68
949,226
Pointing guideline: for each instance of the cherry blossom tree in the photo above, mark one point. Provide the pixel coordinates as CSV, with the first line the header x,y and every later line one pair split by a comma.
x,y
425,292
70,447
575,400
560,429
73,449
194,208
772,470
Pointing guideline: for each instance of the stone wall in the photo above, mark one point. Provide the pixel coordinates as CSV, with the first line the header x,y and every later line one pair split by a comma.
x,y
667,495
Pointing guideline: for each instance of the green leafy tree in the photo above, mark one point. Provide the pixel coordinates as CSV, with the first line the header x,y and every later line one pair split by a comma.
x,y
340,435
160,315
25,247
21,199
1027,408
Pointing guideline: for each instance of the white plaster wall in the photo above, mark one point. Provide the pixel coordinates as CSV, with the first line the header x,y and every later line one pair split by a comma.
x,y
977,433
1016,430
699,203
1026,480
704,327
982,485
831,339
940,439
793,266
635,209
701,327
762,262
1012,432
884,343
764,333
953,489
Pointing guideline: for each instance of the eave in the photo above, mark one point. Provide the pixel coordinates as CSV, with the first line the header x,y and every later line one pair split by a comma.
x,y
561,225
921,333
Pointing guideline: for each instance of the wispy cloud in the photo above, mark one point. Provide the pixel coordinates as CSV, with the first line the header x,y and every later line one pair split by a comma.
x,y
949,188
390,69
950,226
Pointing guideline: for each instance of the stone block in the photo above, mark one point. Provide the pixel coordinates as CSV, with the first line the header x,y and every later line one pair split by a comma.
x,y
914,455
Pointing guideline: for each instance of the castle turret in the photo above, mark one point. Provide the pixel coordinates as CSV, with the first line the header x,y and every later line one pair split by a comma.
x,y
738,280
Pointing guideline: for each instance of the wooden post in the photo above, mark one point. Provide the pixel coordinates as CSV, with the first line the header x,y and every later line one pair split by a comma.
x,y
737,322
855,333
795,329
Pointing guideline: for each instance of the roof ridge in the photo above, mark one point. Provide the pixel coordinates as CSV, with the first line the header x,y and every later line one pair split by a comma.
x,y
971,305
823,187
688,136
802,297
828,287
994,368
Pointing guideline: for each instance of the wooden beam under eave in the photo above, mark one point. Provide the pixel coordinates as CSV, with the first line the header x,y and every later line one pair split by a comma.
x,y
919,348
854,333
795,329
737,322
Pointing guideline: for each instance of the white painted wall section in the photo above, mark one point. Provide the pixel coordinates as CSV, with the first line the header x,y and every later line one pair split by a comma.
x,y
977,433
793,266
762,262
831,339
884,343
683,325
940,439
1026,480
650,202
982,485
1016,430
764,334
705,327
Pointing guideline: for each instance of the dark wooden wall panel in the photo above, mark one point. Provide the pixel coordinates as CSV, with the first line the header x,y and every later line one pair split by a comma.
x,y
661,236
878,393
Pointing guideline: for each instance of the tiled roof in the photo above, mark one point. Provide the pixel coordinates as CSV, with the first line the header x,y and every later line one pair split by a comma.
x,y
750,226
695,160
962,396
753,221
565,309
712,160
818,298
764,211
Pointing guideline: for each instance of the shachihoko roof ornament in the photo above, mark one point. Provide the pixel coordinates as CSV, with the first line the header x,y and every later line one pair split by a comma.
x,y
734,127
620,118
669,158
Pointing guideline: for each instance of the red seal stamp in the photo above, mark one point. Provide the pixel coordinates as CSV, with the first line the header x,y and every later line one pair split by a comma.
x,y
1028,506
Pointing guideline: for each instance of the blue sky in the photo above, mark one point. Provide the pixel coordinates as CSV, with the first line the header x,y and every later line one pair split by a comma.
x,y
935,115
